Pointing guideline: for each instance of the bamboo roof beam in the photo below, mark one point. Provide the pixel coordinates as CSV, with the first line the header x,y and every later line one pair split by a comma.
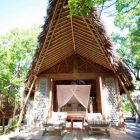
x,y
39,65
92,58
74,48
50,64
90,49
97,42
60,40
60,46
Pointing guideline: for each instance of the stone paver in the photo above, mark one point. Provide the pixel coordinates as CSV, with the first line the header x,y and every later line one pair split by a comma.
x,y
133,130
120,135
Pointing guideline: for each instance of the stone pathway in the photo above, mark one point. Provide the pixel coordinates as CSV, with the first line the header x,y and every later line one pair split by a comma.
x,y
133,130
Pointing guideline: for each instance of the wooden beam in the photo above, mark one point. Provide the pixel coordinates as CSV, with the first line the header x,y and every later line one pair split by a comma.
x,y
63,34
83,34
74,48
79,40
25,103
58,55
80,28
121,118
54,50
75,65
97,52
92,24
53,45
62,28
93,58
72,76
39,62
84,27
54,62
61,40
85,38
99,90
100,45
62,23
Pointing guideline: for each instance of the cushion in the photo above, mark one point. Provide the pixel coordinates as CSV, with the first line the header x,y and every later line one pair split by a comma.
x,y
58,118
96,119
94,116
98,123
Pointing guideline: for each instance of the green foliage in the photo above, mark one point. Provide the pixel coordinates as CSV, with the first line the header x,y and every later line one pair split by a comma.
x,y
13,122
126,106
11,126
129,53
17,49
78,7
123,6
129,45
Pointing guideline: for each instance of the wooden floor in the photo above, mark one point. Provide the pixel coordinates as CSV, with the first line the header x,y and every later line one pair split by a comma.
x,y
78,133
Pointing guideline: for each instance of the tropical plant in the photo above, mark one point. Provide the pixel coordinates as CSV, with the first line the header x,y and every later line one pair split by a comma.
x,y
17,49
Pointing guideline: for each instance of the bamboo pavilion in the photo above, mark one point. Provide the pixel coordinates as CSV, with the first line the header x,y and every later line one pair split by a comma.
x,y
75,68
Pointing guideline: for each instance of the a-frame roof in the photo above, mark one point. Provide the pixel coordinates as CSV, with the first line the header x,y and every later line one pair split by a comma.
x,y
64,36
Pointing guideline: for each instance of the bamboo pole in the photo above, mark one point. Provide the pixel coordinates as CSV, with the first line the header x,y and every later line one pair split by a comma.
x,y
128,95
74,48
26,100
121,117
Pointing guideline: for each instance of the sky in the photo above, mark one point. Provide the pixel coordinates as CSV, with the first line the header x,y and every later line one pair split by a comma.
x,y
21,13
26,13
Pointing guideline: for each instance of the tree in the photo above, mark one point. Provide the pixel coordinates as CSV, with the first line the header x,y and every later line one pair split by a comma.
x,y
126,106
78,7
119,6
17,49
128,45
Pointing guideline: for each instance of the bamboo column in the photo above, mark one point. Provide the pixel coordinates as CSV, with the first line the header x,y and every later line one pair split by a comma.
x,y
121,118
103,95
99,90
26,100
51,99
49,91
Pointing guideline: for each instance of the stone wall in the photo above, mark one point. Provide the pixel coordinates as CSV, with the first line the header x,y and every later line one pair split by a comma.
x,y
110,100
40,105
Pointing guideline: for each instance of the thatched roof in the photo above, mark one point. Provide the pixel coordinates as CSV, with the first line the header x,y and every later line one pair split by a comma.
x,y
63,37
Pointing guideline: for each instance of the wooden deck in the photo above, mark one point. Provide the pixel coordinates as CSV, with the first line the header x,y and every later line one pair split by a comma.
x,y
76,134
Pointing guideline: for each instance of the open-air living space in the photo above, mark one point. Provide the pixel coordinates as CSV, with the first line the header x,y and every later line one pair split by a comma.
x,y
74,85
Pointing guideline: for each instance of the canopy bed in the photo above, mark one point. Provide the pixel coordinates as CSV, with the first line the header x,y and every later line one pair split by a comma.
x,y
73,99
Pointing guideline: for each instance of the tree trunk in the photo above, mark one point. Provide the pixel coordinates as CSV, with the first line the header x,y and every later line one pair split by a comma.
x,y
133,105
129,97
15,109
3,123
